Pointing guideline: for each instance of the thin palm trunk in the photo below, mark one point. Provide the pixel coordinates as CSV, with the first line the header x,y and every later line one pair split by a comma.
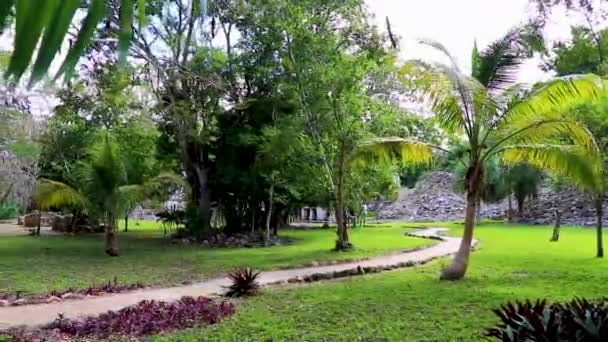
x,y
126,223
111,238
599,210
510,209
459,265
556,228
39,222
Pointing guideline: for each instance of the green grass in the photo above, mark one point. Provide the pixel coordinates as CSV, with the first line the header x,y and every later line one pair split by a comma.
x,y
514,262
40,264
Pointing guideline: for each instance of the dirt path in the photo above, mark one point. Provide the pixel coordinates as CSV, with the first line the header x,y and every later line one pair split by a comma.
x,y
11,229
8,228
39,314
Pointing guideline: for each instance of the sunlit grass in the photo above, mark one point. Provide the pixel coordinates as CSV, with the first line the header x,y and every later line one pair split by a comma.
x,y
513,262
39,264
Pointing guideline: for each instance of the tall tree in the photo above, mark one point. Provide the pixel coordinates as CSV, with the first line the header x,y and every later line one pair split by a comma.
x,y
537,129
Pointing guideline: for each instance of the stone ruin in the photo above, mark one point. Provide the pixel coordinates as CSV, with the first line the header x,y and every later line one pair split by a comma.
x,y
58,223
577,207
433,199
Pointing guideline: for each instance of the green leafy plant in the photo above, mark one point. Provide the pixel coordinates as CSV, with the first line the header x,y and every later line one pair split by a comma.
x,y
244,283
578,320
8,210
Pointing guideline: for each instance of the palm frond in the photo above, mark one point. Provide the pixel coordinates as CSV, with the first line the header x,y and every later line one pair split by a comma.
x,y
49,193
570,161
554,99
392,148
53,37
441,48
545,114
126,29
96,12
496,66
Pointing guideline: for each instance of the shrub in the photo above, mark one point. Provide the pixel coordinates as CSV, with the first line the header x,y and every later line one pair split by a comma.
x,y
8,210
146,318
578,320
244,283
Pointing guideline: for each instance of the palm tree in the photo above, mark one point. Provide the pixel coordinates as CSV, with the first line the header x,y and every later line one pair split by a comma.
x,y
102,190
536,128
371,150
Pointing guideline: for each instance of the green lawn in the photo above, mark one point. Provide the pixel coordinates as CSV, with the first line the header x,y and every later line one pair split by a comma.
x,y
412,305
40,264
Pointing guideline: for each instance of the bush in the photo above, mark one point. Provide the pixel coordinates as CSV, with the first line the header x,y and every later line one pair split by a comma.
x,y
578,320
244,283
146,318
8,210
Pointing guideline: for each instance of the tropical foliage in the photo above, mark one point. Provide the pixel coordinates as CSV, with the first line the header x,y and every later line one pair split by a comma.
x,y
102,189
578,320
500,119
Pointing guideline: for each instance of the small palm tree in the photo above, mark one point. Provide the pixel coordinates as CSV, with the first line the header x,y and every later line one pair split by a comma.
x,y
536,129
372,150
102,190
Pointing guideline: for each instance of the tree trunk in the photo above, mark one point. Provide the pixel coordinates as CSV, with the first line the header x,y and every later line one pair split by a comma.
x,y
510,209
111,239
459,265
556,228
204,203
342,243
269,212
520,205
126,223
599,210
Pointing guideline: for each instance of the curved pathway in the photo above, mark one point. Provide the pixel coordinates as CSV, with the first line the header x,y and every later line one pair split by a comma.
x,y
39,314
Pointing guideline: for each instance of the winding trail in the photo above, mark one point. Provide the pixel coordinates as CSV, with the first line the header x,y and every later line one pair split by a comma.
x,y
39,314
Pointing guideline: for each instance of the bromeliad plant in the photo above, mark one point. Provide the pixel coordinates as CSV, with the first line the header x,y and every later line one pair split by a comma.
x,y
244,283
102,190
506,121
578,320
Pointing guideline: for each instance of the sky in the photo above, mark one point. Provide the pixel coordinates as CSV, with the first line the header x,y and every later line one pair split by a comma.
x,y
457,24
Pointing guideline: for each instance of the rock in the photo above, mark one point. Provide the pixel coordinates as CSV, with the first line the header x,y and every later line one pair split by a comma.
x,y
313,264
31,220
61,223
4,302
19,302
53,299
71,295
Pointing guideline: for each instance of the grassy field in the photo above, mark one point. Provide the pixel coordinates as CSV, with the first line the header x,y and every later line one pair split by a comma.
x,y
40,264
513,262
